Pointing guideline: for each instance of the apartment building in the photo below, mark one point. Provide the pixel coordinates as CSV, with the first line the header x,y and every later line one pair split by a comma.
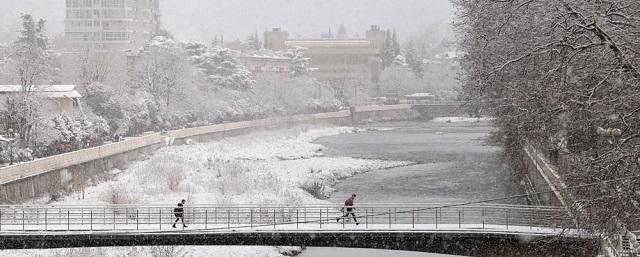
x,y
111,24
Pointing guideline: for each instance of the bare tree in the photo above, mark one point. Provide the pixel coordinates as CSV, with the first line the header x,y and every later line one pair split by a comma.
x,y
94,67
563,74
161,70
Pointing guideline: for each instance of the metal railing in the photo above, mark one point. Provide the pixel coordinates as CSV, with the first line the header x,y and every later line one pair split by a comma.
x,y
427,217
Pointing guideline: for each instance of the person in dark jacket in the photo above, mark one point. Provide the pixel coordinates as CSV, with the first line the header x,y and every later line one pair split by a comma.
x,y
350,210
179,213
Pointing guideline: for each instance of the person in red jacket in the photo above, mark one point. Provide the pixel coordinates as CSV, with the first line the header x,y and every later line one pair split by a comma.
x,y
350,210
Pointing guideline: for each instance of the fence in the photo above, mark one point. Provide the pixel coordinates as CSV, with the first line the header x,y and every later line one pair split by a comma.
x,y
317,217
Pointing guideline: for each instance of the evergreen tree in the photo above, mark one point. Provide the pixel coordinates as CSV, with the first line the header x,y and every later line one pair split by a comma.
x,y
253,43
387,55
413,59
342,32
223,70
396,44
299,65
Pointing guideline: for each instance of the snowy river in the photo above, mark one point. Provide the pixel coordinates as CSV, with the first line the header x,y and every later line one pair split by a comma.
x,y
454,164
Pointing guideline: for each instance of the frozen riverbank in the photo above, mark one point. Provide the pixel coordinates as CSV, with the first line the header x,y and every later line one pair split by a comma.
x,y
280,167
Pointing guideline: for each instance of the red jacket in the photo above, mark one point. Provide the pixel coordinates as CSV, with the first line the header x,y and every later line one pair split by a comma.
x,y
349,202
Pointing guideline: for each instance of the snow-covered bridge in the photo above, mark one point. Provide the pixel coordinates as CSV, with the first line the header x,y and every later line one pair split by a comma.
x,y
453,229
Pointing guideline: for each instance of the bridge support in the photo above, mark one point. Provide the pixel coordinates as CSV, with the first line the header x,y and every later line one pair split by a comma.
x,y
467,244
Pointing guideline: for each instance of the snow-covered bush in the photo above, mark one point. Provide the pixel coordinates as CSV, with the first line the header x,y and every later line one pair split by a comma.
x,y
81,132
15,155
315,187
120,193
168,251
165,173
290,250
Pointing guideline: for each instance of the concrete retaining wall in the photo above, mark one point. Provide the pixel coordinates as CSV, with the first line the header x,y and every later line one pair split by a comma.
x,y
71,171
542,176
431,111
47,176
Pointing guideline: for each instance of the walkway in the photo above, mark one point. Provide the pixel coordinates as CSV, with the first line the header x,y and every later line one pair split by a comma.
x,y
475,229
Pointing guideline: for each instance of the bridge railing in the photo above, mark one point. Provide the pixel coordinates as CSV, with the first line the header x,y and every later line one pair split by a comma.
x,y
18,219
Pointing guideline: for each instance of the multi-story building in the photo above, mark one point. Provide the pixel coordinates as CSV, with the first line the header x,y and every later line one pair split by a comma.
x,y
277,65
337,59
111,24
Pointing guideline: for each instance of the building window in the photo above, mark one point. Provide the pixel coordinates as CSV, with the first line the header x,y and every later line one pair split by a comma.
x,y
78,36
79,14
79,4
113,14
116,36
112,3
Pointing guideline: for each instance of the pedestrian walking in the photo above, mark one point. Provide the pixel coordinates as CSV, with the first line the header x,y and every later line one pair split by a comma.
x,y
348,205
179,213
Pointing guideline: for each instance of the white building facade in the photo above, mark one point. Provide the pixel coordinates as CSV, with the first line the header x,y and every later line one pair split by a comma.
x,y
111,24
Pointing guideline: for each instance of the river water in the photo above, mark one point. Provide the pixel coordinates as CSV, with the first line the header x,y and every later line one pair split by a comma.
x,y
454,164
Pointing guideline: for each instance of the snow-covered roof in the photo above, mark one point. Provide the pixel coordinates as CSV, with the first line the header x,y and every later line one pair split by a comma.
x,y
51,91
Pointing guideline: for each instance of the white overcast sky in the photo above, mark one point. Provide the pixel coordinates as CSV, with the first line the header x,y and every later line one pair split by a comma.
x,y
200,20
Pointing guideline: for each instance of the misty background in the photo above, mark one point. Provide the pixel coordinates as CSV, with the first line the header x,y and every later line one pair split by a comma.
x,y
201,20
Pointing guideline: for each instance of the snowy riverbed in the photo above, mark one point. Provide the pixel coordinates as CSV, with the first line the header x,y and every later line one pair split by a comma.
x,y
269,167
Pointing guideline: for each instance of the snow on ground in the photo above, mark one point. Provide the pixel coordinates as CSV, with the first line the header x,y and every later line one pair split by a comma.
x,y
155,251
270,167
461,119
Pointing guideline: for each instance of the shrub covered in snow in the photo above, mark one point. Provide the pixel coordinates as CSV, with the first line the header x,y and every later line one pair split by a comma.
x,y
316,188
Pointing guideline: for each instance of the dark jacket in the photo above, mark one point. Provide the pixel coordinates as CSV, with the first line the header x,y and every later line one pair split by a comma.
x,y
179,212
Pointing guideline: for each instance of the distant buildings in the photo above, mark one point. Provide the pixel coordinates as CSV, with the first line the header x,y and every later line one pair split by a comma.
x,y
257,64
56,99
111,24
111,32
336,59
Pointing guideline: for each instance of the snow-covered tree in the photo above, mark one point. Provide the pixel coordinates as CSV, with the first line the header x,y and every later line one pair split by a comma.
x,y
253,42
220,68
388,53
565,76
399,80
30,53
196,49
161,69
396,44
95,67
400,62
29,58
413,59
299,64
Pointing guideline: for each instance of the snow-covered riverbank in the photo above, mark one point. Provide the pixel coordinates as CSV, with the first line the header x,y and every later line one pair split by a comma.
x,y
271,167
